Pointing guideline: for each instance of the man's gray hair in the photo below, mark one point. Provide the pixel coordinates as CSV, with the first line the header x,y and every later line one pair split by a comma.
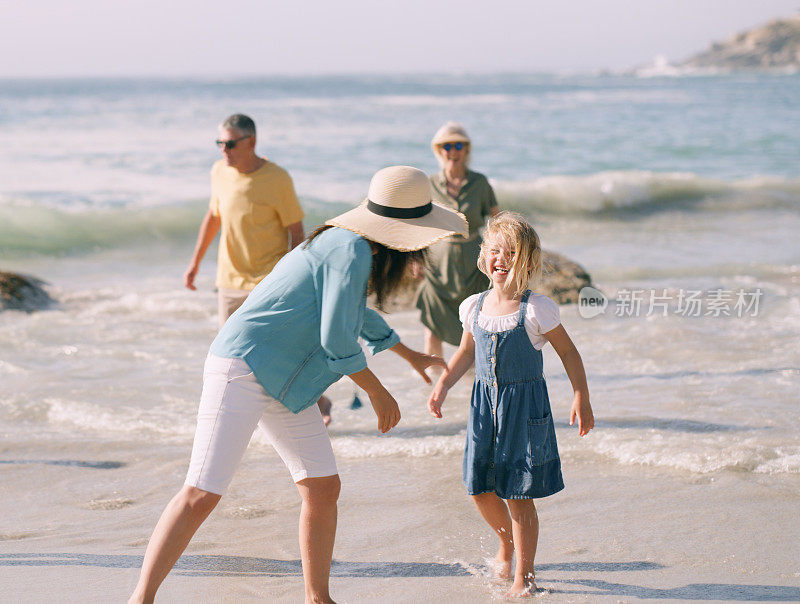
x,y
241,123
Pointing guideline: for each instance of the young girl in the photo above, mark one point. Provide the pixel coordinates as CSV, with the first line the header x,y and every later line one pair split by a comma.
x,y
511,455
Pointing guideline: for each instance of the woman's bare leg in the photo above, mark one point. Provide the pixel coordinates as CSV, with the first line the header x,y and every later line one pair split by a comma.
x,y
525,526
495,513
178,523
317,534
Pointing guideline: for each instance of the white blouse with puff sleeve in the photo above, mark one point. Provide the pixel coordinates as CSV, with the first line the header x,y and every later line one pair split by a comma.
x,y
541,315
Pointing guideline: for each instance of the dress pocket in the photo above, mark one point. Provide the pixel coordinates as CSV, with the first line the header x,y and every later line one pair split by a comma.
x,y
542,440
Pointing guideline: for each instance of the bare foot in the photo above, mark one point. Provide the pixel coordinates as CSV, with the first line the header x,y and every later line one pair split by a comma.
x,y
523,588
325,406
501,567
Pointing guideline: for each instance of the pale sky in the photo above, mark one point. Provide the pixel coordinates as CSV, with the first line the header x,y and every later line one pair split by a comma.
x,y
245,37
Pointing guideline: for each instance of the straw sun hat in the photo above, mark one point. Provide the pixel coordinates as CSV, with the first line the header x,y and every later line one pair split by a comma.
x,y
451,132
398,212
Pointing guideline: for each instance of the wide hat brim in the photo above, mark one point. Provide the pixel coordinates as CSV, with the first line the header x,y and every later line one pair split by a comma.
x,y
403,234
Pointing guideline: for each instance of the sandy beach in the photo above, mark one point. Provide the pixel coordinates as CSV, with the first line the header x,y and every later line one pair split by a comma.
x,y
407,535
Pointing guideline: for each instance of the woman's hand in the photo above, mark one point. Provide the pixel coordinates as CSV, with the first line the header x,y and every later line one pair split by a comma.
x,y
436,399
421,361
382,402
385,408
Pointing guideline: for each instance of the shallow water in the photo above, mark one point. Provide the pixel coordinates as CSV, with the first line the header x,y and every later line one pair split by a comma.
x,y
665,195
120,359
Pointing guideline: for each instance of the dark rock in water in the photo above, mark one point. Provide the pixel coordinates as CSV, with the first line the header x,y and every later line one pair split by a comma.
x,y
562,280
19,292
774,46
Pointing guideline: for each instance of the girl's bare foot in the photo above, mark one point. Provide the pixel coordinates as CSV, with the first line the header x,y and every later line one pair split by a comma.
x,y
501,564
522,588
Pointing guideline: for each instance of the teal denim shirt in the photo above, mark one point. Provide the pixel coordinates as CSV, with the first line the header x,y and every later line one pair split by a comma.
x,y
298,330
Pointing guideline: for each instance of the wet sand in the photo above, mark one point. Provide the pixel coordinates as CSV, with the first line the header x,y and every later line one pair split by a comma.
x,y
76,532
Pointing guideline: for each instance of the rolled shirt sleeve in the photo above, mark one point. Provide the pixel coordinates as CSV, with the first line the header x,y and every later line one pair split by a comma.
x,y
377,333
342,279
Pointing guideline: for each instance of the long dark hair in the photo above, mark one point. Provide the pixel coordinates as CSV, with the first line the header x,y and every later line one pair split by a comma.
x,y
388,266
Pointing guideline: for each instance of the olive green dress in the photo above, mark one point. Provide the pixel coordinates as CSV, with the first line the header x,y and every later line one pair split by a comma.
x,y
451,270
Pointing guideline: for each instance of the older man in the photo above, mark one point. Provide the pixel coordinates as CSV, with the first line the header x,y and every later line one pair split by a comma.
x,y
254,205
255,209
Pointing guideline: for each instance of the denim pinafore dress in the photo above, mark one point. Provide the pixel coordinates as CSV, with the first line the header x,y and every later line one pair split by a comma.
x,y
511,440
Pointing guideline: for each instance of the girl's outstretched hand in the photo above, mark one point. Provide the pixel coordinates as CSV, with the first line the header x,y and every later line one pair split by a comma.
x,y
583,411
436,399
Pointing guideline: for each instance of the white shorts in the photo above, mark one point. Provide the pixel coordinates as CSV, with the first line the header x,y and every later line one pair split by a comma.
x,y
233,403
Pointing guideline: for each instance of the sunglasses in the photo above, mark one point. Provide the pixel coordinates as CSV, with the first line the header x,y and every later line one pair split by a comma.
x,y
456,146
231,143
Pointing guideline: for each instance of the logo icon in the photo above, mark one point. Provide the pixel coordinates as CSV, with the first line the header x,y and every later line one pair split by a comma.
x,y
591,302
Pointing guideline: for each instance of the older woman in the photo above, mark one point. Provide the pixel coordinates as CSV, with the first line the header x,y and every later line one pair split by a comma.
x,y
450,272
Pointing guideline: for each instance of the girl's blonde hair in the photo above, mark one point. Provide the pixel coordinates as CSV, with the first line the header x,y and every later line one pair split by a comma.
x,y
517,234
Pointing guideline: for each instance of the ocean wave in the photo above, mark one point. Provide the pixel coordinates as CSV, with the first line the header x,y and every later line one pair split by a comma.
x,y
372,446
643,190
705,454
698,454
172,422
28,227
414,100
667,70
696,449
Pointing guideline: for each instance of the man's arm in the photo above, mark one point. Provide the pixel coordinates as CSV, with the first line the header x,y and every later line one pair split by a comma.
x,y
208,230
296,235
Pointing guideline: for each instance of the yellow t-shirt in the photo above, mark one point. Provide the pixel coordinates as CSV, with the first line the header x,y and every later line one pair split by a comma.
x,y
255,209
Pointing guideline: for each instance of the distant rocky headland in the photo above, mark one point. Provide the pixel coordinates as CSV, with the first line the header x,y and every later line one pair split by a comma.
x,y
774,46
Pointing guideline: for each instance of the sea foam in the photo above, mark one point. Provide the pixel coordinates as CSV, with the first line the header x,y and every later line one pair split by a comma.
x,y
644,190
28,227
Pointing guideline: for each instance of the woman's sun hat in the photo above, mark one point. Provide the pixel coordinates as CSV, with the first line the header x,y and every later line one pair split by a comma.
x,y
451,132
399,213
